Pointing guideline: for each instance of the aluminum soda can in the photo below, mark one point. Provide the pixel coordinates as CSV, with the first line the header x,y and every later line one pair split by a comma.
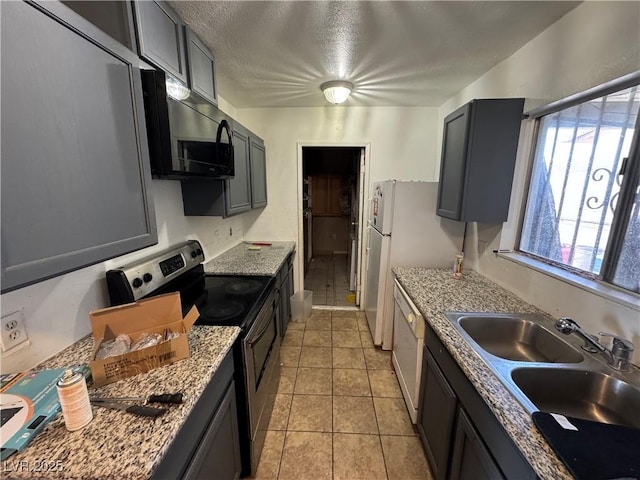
x,y
74,400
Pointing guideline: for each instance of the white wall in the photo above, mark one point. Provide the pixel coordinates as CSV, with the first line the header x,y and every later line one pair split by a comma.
x,y
402,143
57,310
593,44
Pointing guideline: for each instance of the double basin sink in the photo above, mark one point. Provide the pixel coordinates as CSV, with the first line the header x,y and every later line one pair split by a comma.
x,y
545,371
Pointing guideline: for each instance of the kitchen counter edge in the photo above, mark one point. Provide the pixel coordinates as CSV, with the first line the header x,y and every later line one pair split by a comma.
x,y
247,258
117,444
435,291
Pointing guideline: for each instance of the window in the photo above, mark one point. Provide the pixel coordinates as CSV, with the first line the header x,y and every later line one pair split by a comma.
x,y
583,205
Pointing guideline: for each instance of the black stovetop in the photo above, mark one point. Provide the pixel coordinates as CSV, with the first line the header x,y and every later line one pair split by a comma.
x,y
231,300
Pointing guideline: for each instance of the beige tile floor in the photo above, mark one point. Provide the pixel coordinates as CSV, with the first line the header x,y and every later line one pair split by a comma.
x,y
339,411
328,279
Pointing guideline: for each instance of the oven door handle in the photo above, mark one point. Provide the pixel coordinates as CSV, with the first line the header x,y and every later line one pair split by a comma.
x,y
251,343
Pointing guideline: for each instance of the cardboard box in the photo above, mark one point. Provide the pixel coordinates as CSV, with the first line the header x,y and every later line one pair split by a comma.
x,y
152,315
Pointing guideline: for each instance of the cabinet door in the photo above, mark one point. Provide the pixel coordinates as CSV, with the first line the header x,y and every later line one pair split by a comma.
x,y
160,37
335,195
436,415
320,189
470,459
114,17
201,68
218,454
258,173
238,188
452,169
75,163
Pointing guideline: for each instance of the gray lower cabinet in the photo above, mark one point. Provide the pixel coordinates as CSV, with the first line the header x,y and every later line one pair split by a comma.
x,y
246,190
461,436
160,34
207,445
437,416
75,162
470,460
201,69
285,283
258,173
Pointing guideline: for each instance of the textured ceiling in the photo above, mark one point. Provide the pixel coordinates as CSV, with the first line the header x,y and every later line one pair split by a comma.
x,y
276,54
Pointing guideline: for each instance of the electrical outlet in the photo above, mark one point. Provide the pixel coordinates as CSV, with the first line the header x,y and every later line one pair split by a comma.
x,y
12,331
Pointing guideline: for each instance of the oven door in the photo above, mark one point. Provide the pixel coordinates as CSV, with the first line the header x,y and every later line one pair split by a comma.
x,y
261,350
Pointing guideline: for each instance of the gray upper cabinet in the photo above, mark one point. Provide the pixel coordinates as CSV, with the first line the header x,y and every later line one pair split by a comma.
x,y
160,37
478,158
75,164
113,17
238,188
200,67
258,173
222,198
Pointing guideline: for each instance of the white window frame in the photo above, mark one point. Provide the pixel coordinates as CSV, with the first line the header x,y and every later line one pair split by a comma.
x,y
510,237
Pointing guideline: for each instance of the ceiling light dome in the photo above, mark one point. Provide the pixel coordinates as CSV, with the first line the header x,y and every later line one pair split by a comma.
x,y
336,91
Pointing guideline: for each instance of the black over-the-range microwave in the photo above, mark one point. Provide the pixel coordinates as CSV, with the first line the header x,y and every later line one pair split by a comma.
x,y
188,138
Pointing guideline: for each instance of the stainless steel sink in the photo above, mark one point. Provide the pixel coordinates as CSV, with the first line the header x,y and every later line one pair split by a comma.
x,y
518,339
546,371
580,393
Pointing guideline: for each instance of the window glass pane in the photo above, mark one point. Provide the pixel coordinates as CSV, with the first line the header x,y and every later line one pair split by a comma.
x,y
627,273
575,183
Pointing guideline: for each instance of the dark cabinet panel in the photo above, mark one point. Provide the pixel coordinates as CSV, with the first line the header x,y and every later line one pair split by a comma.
x,y
224,198
160,37
478,158
258,173
238,188
453,164
75,164
470,459
285,283
113,17
201,68
207,445
436,418
484,443
218,454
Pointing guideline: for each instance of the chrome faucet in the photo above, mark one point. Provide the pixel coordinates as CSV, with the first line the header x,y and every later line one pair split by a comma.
x,y
618,358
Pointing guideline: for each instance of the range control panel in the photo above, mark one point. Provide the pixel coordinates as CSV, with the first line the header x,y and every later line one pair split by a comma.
x,y
171,265
138,279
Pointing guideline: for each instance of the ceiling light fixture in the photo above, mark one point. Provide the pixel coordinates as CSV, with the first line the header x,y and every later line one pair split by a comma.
x,y
336,91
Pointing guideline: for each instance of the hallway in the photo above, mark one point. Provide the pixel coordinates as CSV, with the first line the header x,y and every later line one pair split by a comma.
x,y
328,279
339,411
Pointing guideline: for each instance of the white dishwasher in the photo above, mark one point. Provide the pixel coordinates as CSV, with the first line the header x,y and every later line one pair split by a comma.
x,y
408,342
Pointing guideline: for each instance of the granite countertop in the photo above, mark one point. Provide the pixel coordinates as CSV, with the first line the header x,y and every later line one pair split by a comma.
x,y
435,291
117,444
239,260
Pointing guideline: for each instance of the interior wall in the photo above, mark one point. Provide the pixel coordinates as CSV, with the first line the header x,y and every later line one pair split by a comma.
x,y
595,43
57,310
402,143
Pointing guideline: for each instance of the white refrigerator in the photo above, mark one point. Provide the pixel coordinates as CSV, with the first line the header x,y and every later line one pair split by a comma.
x,y
403,231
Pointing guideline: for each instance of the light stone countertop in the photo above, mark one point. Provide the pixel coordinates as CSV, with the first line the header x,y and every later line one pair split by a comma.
x,y
435,291
240,260
116,444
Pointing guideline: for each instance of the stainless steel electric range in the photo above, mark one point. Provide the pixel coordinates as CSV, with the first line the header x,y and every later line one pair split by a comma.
x,y
249,302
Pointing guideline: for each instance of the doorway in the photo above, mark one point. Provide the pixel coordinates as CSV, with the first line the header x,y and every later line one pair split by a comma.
x,y
332,201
